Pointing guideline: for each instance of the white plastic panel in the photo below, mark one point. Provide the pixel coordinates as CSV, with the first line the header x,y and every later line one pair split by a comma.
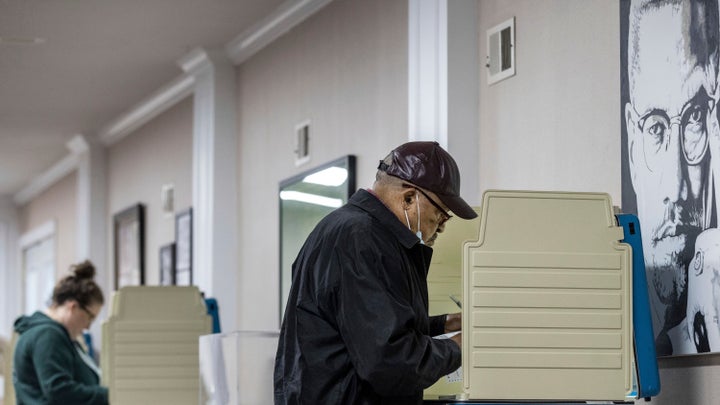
x,y
150,345
445,279
547,286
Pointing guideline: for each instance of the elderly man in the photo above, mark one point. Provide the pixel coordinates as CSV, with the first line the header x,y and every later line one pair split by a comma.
x,y
356,327
672,76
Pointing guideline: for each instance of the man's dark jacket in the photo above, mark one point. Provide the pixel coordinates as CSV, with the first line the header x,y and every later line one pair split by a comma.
x,y
356,327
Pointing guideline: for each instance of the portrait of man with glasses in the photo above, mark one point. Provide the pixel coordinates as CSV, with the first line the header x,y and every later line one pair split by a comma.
x,y
670,125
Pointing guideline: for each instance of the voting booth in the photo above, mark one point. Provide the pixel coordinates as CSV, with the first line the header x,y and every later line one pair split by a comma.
x,y
150,345
554,302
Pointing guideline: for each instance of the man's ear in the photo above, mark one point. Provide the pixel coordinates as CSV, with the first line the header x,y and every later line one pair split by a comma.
x,y
408,196
633,143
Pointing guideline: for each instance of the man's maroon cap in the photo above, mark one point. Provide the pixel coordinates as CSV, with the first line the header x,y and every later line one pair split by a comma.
x,y
427,165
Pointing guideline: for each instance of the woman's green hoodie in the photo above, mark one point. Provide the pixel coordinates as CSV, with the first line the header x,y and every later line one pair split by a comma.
x,y
48,368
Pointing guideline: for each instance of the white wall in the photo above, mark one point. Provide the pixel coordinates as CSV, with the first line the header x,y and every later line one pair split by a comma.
x,y
556,126
157,153
345,69
57,203
463,95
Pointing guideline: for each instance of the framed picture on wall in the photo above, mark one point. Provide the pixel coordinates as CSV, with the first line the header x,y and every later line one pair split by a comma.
x,y
183,248
167,264
669,177
129,246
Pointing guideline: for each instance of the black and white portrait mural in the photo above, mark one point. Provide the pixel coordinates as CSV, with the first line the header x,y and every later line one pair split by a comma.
x,y
671,163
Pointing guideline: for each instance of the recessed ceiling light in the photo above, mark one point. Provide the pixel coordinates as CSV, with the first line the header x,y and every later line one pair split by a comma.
x,y
21,41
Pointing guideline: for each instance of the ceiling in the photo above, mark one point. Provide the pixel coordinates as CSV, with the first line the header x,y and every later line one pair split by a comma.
x,y
70,67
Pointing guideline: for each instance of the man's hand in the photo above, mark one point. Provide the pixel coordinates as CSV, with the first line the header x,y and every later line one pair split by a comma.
x,y
453,323
457,339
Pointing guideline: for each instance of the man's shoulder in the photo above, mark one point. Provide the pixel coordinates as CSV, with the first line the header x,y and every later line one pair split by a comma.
x,y
348,216
356,224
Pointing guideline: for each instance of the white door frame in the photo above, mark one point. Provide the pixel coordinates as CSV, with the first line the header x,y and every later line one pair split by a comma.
x,y
28,239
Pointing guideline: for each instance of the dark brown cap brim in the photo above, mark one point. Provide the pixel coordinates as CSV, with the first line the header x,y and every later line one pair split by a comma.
x,y
458,206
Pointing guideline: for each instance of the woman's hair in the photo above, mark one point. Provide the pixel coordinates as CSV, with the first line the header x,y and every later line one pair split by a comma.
x,y
78,286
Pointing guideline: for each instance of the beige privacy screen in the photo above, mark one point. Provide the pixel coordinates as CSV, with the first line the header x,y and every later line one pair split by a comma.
x,y
547,312
150,345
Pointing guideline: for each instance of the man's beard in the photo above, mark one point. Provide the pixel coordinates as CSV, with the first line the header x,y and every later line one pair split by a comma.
x,y
669,277
669,280
670,285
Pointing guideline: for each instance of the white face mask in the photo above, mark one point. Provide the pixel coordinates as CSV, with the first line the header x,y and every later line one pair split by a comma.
x,y
419,232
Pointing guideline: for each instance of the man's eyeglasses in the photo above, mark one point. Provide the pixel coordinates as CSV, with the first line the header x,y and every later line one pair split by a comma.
x,y
656,128
445,216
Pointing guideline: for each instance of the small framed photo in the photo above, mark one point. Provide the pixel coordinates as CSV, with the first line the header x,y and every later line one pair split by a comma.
x,y
183,247
129,246
167,264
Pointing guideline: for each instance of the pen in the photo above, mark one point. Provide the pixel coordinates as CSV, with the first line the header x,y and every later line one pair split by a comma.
x,y
455,300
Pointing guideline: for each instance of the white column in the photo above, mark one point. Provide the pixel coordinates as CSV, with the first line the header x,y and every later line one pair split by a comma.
x,y
10,282
91,227
91,224
427,70
215,180
443,82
